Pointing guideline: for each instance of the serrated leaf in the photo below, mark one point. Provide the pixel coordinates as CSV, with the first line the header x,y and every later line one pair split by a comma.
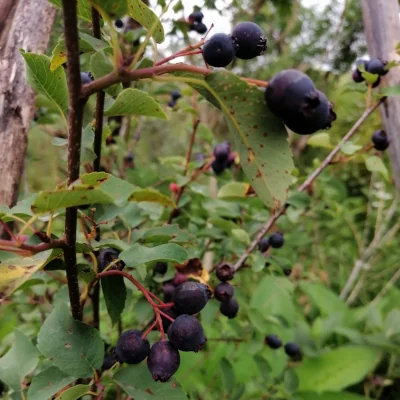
x,y
18,362
136,380
74,347
375,164
74,393
337,369
48,382
53,85
84,8
233,190
146,17
135,102
14,272
114,292
138,254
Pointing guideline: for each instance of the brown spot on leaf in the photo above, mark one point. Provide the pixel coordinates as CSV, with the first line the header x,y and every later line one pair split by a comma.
x,y
67,345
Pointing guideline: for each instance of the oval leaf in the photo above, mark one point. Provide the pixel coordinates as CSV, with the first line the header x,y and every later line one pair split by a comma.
x,y
74,393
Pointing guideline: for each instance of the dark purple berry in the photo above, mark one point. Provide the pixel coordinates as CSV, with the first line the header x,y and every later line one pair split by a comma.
x,y
376,66
273,341
219,51
223,291
200,28
196,16
176,94
160,267
109,361
106,257
380,140
249,40
377,82
163,361
168,289
186,334
229,308
231,160
119,23
287,271
276,240
263,244
191,297
171,103
131,347
179,278
357,76
2,388
225,272
86,77
221,152
165,321
218,167
293,351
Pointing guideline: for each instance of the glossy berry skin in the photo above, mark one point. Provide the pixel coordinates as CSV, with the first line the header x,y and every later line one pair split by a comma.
x,y
200,28
163,361
176,94
273,341
218,167
106,257
160,267
225,272
221,152
196,16
119,23
231,159
249,40
179,278
171,103
109,361
380,140
190,297
229,308
223,291
219,51
357,76
263,244
376,66
168,289
293,351
131,348
186,334
377,82
86,77
276,240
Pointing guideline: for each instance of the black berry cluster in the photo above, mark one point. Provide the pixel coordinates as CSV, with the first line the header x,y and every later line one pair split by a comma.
x,y
374,66
292,96
224,157
291,349
380,140
246,41
196,22
175,96
276,241
223,292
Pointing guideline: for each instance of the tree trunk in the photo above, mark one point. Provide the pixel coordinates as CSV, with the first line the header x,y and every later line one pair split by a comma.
x,y
24,24
382,31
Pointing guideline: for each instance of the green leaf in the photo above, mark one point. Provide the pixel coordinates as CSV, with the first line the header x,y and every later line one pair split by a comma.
x,y
53,85
241,236
97,187
114,292
233,190
87,153
350,148
100,65
337,369
84,8
273,296
391,90
136,380
135,102
19,361
167,233
375,164
151,195
48,382
74,393
329,396
114,8
320,140
299,200
146,17
138,254
228,376
290,380
74,347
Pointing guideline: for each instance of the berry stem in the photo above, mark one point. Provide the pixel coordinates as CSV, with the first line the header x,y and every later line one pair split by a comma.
x,y
160,325
166,315
151,327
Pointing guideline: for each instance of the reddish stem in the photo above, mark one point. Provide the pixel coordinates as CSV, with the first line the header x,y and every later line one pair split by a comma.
x,y
166,315
151,327
160,325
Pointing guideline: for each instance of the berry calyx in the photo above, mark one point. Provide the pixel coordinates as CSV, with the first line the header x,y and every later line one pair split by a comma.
x,y
293,351
106,257
186,334
376,66
219,51
249,40
263,244
276,240
225,272
229,308
190,297
86,77
131,347
380,140
163,361
223,291
273,341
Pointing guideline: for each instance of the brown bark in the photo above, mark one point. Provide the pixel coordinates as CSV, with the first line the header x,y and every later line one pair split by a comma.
x,y
382,31
24,24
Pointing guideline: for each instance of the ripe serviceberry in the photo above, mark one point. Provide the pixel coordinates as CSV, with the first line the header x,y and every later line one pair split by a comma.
x,y
171,103
219,51
380,140
179,278
223,291
218,167
186,334
160,267
131,347
357,74
86,77
119,23
168,289
263,244
287,271
106,257
196,16
190,297
200,28
249,40
176,94
231,159
376,66
229,308
109,360
163,361
225,272
273,341
276,240
293,351
221,152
